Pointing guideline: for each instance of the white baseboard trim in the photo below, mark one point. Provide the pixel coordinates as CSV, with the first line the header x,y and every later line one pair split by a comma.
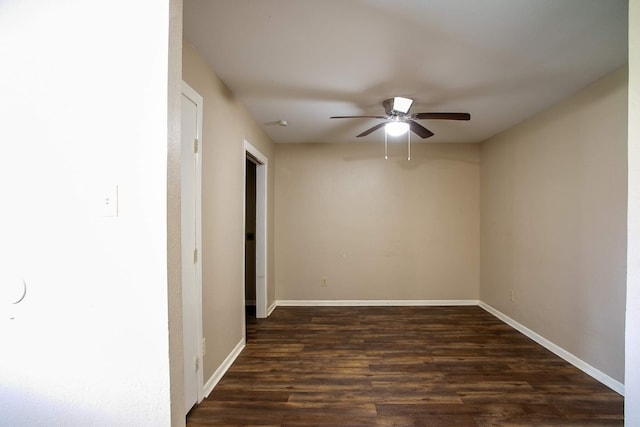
x,y
272,307
605,379
223,368
371,303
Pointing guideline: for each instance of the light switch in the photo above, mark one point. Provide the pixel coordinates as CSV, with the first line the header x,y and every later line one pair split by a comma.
x,y
109,202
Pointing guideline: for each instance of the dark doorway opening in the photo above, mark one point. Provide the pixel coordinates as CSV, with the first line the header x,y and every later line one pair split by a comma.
x,y
250,242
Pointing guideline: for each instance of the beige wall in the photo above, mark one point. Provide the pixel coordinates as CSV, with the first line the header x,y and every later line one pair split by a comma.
x,y
553,209
174,255
376,229
226,125
632,371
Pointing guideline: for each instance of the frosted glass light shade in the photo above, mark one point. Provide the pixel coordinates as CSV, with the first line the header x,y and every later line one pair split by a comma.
x,y
402,104
396,128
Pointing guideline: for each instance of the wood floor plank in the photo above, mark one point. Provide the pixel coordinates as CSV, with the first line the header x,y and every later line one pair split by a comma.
x,y
400,366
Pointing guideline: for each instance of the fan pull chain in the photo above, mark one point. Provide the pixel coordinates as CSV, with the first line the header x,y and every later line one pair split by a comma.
x,y
385,146
409,145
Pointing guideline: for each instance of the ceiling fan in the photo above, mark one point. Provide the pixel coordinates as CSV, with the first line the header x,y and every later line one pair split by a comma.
x,y
398,121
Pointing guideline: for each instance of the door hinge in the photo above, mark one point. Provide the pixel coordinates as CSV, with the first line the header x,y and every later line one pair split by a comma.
x,y
195,146
197,363
195,255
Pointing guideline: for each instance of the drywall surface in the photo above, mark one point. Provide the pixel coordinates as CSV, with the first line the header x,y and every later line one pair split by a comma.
x,y
174,253
226,125
377,229
84,111
553,223
632,370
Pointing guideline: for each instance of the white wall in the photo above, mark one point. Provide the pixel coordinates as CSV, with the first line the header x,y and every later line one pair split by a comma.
x,y
553,201
83,109
632,371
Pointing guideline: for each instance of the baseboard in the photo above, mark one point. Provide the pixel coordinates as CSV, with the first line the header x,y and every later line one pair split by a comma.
x,y
371,303
223,368
271,308
605,379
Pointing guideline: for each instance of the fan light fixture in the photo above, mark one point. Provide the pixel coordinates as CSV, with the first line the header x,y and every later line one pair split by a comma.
x,y
401,104
396,128
398,121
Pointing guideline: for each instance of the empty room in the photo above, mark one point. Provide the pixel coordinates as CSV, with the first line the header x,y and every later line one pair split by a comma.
x,y
391,263
320,213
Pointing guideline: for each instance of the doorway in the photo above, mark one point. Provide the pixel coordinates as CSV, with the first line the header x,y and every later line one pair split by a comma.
x,y
255,210
250,239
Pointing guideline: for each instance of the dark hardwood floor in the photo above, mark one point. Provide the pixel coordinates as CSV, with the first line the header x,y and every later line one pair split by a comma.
x,y
400,366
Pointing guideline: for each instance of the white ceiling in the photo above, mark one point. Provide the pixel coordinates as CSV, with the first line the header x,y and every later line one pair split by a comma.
x,y
499,60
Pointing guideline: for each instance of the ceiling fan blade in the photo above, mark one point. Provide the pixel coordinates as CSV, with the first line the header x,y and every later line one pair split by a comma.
x,y
442,116
358,117
373,129
420,130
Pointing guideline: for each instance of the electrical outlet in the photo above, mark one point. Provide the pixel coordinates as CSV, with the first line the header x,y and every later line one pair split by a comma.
x,y
323,281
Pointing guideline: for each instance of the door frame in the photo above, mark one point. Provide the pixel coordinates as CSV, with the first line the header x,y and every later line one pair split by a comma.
x,y
195,97
261,225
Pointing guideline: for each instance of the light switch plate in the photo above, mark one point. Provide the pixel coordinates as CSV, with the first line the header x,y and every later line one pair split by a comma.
x,y
109,202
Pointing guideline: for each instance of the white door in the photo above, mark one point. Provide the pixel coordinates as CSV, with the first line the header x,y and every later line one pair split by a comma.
x,y
191,269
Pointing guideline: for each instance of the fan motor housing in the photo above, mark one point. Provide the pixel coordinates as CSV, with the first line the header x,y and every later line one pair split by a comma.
x,y
397,106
